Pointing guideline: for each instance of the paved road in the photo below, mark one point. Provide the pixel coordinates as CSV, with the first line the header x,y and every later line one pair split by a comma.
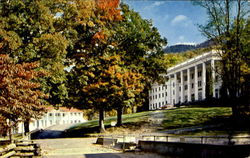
x,y
52,132
84,148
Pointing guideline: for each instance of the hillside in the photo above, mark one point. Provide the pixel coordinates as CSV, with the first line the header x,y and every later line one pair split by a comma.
x,y
187,47
155,121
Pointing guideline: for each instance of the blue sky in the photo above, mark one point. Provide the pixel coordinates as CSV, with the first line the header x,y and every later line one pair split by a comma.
x,y
176,20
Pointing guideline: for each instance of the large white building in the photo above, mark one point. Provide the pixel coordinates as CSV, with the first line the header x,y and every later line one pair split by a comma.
x,y
59,116
186,82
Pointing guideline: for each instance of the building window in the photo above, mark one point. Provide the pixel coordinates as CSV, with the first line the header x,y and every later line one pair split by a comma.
x,y
173,101
199,73
166,86
50,114
192,85
166,102
166,94
192,76
179,88
155,89
199,83
200,96
216,93
185,78
159,88
162,87
173,84
186,87
159,95
155,96
162,94
186,98
159,104
162,103
63,114
192,97
152,90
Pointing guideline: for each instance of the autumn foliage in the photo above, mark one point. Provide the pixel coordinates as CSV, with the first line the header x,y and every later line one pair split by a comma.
x,y
108,10
19,93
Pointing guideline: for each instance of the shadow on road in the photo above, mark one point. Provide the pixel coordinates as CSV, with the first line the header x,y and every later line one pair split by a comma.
x,y
45,134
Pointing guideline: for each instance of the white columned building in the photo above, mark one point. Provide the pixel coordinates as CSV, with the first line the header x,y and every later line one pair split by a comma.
x,y
60,116
186,82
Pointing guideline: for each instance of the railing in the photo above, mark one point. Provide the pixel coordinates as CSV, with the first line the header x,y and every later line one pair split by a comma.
x,y
217,140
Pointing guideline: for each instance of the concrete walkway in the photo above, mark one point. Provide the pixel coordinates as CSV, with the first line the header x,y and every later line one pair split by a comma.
x,y
84,148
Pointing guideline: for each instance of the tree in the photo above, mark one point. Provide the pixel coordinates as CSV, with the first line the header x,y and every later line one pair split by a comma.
x,y
226,27
112,56
143,49
34,31
20,97
89,53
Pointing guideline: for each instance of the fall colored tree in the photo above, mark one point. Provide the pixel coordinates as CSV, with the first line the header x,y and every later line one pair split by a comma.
x,y
115,61
37,31
20,97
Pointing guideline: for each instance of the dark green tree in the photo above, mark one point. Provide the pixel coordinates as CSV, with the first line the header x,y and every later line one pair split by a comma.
x,y
226,26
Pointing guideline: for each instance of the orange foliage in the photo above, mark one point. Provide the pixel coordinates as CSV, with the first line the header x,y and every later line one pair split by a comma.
x,y
19,94
99,36
109,9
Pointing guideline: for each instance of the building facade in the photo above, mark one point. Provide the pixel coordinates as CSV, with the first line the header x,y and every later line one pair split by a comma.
x,y
188,82
59,116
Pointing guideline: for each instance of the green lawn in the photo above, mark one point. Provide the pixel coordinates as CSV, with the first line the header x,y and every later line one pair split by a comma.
x,y
160,120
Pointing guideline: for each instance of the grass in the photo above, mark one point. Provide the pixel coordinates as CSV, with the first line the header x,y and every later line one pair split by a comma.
x,y
153,121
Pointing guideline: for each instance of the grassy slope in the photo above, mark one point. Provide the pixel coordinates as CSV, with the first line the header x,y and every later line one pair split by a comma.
x,y
161,120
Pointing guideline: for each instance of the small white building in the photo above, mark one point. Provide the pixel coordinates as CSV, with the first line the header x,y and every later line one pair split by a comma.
x,y
59,116
186,82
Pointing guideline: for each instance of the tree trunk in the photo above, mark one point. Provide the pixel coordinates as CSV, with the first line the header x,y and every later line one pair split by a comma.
x,y
101,121
234,105
26,127
10,134
119,116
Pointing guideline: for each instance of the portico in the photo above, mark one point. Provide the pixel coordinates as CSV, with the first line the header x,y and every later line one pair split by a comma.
x,y
186,82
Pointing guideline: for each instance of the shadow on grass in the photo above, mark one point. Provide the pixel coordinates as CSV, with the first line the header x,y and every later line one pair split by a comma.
x,y
87,131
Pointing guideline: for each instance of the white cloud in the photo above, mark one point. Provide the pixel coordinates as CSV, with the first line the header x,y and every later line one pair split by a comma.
x,y
178,19
186,43
158,3
155,4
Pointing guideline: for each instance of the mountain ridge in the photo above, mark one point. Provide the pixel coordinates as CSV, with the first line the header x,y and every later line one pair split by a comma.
x,y
179,48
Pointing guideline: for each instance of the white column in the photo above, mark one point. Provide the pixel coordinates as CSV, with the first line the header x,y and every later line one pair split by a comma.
x,y
170,87
188,86
175,88
213,76
182,88
203,81
195,83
